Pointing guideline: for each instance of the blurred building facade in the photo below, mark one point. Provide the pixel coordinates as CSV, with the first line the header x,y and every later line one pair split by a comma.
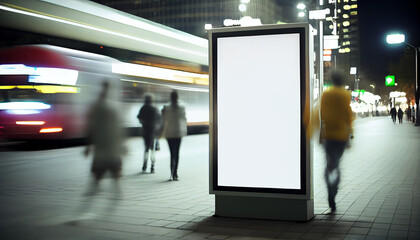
x,y
343,22
192,15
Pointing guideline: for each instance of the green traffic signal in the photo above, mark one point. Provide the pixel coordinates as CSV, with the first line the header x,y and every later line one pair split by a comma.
x,y
390,80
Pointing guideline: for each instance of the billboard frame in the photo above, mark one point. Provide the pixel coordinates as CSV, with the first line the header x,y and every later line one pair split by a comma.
x,y
305,43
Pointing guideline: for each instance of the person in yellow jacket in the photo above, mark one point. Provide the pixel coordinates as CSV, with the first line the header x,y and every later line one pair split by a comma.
x,y
336,126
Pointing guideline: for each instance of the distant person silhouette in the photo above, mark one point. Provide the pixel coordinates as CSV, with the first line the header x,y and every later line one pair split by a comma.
x,y
393,114
174,128
408,113
400,116
413,114
336,126
150,119
105,138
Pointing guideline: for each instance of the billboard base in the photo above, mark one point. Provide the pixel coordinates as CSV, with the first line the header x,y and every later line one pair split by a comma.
x,y
264,208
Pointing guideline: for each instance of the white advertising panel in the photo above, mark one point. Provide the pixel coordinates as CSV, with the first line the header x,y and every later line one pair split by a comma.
x,y
258,88
259,111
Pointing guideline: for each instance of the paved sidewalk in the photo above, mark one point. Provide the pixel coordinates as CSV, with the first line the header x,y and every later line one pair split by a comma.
x,y
379,196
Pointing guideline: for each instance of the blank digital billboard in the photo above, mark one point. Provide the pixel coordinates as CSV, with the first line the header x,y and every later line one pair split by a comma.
x,y
257,86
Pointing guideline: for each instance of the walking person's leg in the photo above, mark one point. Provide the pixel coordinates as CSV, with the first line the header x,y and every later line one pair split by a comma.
x,y
148,142
153,156
177,143
171,144
333,151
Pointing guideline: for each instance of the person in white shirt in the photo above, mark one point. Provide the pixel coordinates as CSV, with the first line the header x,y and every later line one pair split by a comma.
x,y
174,128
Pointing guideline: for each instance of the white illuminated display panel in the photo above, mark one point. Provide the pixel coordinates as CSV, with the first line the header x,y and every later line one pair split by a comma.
x,y
258,111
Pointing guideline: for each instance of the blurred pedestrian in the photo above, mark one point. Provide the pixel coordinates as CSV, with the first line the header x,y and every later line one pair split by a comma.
x,y
336,126
393,114
150,120
413,114
105,138
400,115
408,113
174,128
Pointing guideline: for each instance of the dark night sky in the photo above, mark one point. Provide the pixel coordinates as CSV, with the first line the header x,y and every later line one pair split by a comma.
x,y
377,18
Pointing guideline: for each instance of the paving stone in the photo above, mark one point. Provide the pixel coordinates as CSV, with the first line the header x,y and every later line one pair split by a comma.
x,y
397,234
382,232
358,230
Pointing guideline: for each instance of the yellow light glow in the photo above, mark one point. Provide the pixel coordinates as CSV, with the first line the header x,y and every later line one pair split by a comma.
x,y
30,122
346,7
353,13
345,30
346,23
45,88
345,16
159,73
51,130
353,6
347,50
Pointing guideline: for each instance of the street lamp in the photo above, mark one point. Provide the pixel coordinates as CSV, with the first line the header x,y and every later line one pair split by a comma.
x,y
400,38
302,8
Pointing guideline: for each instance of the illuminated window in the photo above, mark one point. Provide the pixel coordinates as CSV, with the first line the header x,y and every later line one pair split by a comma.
x,y
341,50
354,0
339,10
345,30
346,36
328,18
346,7
345,0
331,26
346,23
354,6
345,16
347,50
353,13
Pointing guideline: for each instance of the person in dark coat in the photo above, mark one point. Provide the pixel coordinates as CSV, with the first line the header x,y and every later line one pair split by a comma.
x,y
408,113
150,120
393,114
400,116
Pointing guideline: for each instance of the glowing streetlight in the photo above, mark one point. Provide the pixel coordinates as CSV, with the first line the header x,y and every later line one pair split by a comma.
x,y
242,7
395,38
301,6
301,14
208,26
